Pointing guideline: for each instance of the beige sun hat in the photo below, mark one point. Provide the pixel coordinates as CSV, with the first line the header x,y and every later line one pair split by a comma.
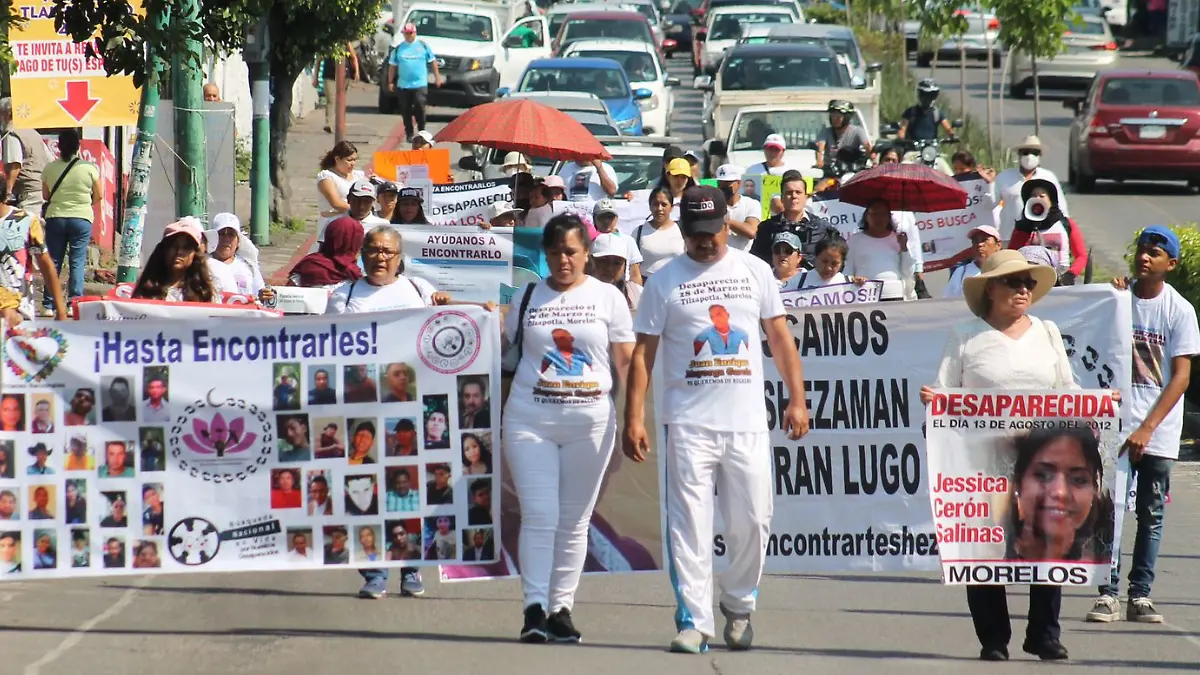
x,y
1002,264
1030,143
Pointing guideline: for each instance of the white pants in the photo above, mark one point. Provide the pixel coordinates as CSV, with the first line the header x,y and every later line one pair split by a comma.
x,y
557,470
737,465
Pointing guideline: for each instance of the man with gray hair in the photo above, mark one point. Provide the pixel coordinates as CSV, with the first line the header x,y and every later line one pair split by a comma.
x,y
25,157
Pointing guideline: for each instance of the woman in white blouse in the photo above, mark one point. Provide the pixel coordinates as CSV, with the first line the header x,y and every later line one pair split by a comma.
x,y
333,183
659,239
233,258
1006,348
879,252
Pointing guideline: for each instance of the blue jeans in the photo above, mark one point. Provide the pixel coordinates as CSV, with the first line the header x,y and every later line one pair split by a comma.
x,y
1153,483
61,234
370,575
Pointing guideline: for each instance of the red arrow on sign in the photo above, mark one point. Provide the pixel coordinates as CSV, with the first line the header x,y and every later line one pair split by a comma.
x,y
79,101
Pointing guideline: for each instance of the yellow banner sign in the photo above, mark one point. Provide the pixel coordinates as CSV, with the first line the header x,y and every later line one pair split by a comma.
x,y
57,85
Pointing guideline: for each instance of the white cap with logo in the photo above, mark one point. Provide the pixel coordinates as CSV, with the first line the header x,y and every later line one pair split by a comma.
x,y
729,172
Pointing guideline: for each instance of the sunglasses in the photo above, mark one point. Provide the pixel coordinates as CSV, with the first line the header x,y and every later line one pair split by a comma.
x,y
1017,283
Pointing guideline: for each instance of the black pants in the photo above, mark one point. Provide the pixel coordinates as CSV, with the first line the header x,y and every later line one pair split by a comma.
x,y
989,611
412,104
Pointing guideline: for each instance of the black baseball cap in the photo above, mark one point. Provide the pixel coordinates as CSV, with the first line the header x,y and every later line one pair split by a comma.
x,y
702,210
672,152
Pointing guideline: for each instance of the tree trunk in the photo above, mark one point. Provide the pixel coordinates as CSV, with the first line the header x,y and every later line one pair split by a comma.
x,y
903,44
1037,99
991,80
284,78
962,80
933,65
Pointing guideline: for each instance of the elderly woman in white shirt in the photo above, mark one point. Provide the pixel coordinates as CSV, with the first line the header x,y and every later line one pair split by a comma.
x,y
879,252
233,258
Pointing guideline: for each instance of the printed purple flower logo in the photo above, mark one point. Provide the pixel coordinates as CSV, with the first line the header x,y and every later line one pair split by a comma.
x,y
219,438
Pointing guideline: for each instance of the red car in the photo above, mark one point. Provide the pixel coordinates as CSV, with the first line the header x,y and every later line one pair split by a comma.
x,y
1136,125
598,25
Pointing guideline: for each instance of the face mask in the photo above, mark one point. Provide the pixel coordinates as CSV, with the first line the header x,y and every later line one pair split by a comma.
x,y
510,171
1030,162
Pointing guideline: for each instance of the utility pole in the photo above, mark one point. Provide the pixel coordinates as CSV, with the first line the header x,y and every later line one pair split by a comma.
x,y
187,85
339,119
257,54
133,225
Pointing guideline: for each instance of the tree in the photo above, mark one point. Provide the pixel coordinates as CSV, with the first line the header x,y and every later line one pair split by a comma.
x,y
11,20
1035,29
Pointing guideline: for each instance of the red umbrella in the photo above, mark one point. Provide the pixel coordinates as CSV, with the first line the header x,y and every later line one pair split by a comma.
x,y
905,187
528,127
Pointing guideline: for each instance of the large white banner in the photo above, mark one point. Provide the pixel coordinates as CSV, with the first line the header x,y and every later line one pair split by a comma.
x,y
1022,485
853,495
468,263
466,204
249,444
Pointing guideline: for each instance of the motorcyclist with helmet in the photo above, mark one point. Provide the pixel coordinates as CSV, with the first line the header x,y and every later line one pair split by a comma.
x,y
841,134
920,122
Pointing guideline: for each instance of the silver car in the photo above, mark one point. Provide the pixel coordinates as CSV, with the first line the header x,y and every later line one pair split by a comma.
x,y
981,38
1088,48
838,38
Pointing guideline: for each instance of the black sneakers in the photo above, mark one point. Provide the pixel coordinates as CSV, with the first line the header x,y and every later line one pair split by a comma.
x,y
535,630
562,628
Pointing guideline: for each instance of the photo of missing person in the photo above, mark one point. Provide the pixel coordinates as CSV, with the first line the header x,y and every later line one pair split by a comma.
x,y
153,449
319,501
299,543
152,509
368,541
474,405
331,437
437,422
117,514
404,539
362,495
114,552
41,500
403,491
45,549
336,552
438,489
363,448
360,384
322,385
118,399
79,454
477,453
401,436
12,412
41,456
1059,506
399,383
10,552
10,504
294,444
478,545
155,399
82,408
285,489
480,511
145,554
8,459
76,501
81,548
43,414
441,540
285,386
117,462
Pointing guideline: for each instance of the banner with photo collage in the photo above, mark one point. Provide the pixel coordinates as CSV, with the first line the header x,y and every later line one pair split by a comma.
x,y
242,444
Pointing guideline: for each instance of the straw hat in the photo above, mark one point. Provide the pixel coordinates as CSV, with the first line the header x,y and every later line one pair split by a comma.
x,y
1002,264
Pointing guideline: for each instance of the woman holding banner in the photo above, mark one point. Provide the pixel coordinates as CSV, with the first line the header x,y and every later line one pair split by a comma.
x,y
880,252
1006,348
177,269
559,420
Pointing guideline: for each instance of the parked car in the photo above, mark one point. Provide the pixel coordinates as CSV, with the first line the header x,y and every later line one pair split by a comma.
x,y
517,54
981,39
1136,125
603,77
840,39
647,8
724,28
645,69
677,27
1088,48
616,25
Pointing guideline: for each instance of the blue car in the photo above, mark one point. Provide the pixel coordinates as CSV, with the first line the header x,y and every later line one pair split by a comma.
x,y
603,77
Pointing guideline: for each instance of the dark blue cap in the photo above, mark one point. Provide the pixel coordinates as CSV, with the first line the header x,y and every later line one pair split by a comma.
x,y
1162,237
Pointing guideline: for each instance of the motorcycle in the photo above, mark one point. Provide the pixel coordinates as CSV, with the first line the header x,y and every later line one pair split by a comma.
x,y
846,163
928,152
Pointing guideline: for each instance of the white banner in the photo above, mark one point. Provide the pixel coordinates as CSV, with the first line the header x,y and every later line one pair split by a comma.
x,y
853,494
834,294
130,310
466,204
239,444
943,234
1022,485
470,264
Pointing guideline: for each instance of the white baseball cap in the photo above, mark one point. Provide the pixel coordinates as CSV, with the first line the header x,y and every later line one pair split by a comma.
x,y
775,140
425,136
609,244
729,172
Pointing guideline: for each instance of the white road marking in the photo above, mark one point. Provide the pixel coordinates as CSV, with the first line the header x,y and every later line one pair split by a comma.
x,y
78,634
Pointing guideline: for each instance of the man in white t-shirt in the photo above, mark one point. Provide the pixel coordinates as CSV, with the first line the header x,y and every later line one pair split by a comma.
x,y
1006,189
985,240
361,199
705,308
774,164
744,213
593,181
604,218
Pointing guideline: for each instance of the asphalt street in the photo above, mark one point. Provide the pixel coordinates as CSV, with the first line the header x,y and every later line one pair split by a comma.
x,y
312,622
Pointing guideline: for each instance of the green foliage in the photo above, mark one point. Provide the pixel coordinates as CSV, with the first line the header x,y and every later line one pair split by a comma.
x,y
1186,276
290,225
1035,28
823,12
940,20
242,160
11,21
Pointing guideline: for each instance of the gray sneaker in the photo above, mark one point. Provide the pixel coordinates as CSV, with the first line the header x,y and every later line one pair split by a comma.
x,y
739,634
1142,610
1106,610
689,641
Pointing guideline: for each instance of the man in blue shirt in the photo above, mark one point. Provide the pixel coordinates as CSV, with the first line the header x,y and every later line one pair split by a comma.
x,y
407,70
722,338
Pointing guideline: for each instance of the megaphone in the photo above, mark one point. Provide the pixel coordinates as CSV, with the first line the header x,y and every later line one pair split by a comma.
x,y
1037,209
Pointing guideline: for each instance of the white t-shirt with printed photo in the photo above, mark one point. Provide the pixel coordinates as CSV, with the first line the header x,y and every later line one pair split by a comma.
x,y
745,209
583,181
565,376
1164,327
360,296
708,317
